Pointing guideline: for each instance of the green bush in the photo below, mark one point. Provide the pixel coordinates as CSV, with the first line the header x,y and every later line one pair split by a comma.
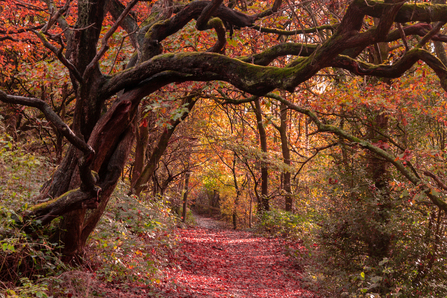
x,y
368,245
284,224
21,174
132,241
24,259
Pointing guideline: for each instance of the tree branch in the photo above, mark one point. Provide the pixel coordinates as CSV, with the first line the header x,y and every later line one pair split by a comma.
x,y
397,69
105,39
294,32
60,56
51,116
206,14
410,12
436,178
72,200
116,9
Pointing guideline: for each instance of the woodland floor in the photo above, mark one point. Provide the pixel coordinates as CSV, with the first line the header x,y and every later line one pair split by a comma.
x,y
217,261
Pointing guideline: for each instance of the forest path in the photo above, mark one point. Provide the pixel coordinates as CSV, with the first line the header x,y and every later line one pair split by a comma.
x,y
219,262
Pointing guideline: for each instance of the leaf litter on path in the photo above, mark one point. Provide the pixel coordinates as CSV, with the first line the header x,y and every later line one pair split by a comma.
x,y
231,263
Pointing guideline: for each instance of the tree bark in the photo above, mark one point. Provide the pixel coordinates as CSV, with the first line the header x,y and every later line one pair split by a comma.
x,y
286,157
160,148
264,203
185,195
142,137
237,189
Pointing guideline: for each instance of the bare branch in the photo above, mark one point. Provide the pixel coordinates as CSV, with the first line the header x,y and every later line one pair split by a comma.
x,y
129,24
432,33
270,11
51,116
60,56
403,37
105,39
436,178
56,16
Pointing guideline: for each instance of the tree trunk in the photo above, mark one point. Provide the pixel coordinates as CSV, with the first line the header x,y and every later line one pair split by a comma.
x,y
185,195
142,136
162,144
379,241
237,189
110,136
264,203
286,157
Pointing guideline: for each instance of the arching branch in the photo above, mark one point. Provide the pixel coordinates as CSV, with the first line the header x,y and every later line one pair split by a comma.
x,y
294,32
397,69
51,116
206,14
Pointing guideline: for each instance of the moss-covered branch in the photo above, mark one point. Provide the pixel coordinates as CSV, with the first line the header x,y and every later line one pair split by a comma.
x,y
72,200
397,69
409,12
259,80
294,32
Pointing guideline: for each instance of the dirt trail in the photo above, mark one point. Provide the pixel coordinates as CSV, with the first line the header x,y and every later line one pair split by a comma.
x,y
219,262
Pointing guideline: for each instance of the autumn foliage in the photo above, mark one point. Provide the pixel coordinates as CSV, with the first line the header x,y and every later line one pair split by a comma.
x,y
321,122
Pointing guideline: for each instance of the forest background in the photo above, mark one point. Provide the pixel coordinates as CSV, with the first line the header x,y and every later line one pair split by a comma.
x,y
320,121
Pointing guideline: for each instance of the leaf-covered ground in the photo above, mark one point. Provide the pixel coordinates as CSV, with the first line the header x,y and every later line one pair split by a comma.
x,y
217,262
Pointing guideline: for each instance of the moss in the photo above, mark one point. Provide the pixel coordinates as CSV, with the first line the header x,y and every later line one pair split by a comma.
x,y
215,23
155,28
149,20
422,12
50,202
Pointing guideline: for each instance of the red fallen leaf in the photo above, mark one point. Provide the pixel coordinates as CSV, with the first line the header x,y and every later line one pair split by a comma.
x,y
247,266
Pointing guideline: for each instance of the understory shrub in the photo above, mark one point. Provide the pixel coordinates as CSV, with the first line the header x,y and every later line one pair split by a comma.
x,y
277,222
25,259
369,244
413,264
133,240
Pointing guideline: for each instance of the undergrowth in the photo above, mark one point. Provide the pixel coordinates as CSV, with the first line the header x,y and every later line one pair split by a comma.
x,y
133,241
283,224
335,248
